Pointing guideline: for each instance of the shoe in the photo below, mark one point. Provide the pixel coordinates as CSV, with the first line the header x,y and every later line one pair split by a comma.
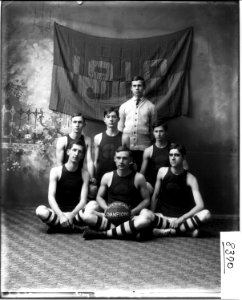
x,y
194,233
57,229
145,235
90,234
161,232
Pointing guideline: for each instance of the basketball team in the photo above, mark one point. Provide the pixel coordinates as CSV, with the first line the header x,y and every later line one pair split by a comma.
x,y
136,165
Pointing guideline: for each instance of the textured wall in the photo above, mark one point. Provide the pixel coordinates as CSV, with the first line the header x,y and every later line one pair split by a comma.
x,y
210,132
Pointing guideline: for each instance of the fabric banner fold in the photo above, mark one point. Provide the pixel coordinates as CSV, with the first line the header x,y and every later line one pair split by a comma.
x,y
93,73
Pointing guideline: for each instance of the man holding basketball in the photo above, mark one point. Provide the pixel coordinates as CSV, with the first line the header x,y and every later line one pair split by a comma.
x,y
123,185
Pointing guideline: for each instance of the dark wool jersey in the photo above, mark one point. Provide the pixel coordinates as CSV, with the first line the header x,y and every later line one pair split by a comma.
x,y
159,158
107,148
68,189
176,196
123,189
69,140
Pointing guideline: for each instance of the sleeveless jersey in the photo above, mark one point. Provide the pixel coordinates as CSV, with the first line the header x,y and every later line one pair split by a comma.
x,y
176,196
159,158
68,189
69,140
107,148
123,189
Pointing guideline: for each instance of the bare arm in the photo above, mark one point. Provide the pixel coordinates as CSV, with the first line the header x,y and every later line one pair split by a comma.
x,y
55,174
199,204
83,195
146,157
60,150
103,190
121,118
160,175
90,165
97,140
141,185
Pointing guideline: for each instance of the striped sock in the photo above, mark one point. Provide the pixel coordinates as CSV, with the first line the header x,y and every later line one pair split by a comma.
x,y
124,229
52,219
189,224
160,222
78,219
102,224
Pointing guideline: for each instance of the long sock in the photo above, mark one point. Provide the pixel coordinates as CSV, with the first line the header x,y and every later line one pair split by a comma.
x,y
78,219
124,229
102,224
160,222
52,219
189,224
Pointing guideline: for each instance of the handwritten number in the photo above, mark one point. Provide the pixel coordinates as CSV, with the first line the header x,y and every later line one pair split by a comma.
x,y
230,258
232,245
230,265
229,252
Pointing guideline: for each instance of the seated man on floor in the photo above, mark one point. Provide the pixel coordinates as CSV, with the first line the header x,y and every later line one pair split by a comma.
x,y
63,143
68,189
124,185
157,155
176,202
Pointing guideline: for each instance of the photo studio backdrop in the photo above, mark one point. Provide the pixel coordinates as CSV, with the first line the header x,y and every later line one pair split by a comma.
x,y
209,127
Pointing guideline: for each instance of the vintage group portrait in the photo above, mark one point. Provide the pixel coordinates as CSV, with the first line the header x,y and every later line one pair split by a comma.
x,y
119,148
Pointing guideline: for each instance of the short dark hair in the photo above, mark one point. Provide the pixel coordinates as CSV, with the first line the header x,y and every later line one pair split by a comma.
x,y
79,143
179,147
111,109
158,123
136,78
78,114
124,148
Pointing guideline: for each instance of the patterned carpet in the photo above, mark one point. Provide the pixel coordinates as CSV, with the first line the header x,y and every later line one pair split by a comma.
x,y
33,261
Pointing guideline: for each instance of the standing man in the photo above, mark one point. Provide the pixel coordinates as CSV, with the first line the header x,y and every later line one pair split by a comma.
x,y
177,203
68,188
136,118
63,144
106,143
124,185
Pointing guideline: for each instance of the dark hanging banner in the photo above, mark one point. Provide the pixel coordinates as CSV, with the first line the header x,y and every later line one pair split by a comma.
x,y
93,73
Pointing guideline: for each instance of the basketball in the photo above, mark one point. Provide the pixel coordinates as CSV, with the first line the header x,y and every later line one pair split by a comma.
x,y
118,212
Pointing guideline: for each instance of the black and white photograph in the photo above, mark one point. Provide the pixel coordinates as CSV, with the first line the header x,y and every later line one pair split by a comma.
x,y
120,149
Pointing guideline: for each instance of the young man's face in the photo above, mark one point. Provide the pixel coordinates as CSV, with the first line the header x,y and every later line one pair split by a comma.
x,y
111,120
159,133
175,157
137,88
75,153
77,124
122,160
